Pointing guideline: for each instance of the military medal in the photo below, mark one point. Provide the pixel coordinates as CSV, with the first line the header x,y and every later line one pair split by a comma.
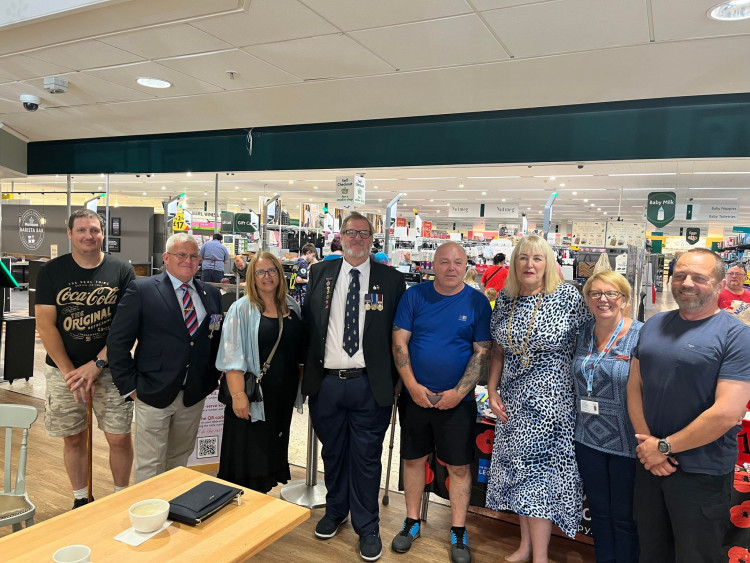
x,y
214,324
369,304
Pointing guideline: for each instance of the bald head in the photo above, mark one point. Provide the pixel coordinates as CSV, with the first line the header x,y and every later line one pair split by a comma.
x,y
449,265
450,247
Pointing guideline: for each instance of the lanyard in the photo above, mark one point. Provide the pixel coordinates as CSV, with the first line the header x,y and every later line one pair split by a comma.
x,y
590,375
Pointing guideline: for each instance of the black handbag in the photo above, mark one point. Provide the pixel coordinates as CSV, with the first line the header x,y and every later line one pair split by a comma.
x,y
202,501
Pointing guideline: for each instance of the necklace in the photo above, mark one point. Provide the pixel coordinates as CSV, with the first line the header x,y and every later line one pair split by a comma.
x,y
525,360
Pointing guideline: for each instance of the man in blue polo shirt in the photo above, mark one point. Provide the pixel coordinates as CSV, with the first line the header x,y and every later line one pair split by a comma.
x,y
688,387
441,346
214,255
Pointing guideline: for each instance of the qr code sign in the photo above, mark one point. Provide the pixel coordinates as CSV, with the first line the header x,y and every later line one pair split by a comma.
x,y
208,446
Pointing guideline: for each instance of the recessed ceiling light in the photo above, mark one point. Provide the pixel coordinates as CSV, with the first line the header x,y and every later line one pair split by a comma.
x,y
164,187
315,187
528,208
585,201
460,185
731,11
598,208
562,185
552,178
484,193
502,199
438,211
236,187
291,181
144,193
575,193
374,187
591,205
189,174
205,193
153,82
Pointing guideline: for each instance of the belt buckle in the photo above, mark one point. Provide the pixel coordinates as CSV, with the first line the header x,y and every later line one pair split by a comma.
x,y
341,373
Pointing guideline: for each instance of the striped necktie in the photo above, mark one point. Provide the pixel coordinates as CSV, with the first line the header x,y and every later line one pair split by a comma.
x,y
191,317
351,320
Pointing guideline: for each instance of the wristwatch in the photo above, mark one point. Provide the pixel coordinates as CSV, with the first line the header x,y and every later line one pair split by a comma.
x,y
101,364
665,447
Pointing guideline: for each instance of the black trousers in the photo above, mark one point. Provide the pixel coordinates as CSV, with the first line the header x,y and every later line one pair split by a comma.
x,y
212,275
351,427
682,517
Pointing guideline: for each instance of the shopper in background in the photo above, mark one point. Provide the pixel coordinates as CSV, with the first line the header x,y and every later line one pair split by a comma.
x,y
495,275
688,388
336,251
382,257
214,255
308,256
239,268
350,377
176,321
533,470
440,362
604,437
470,279
76,299
254,453
734,289
491,294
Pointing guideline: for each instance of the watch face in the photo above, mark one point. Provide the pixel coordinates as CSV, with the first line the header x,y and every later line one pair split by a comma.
x,y
663,446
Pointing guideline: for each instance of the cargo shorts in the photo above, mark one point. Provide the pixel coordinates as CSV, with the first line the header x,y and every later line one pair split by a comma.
x,y
67,417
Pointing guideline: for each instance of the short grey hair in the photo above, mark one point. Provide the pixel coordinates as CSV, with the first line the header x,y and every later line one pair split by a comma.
x,y
718,261
179,238
355,215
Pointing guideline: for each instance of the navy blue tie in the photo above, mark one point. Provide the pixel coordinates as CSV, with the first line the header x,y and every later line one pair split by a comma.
x,y
351,320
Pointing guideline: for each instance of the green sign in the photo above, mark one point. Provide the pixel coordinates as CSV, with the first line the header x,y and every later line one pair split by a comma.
x,y
692,235
242,223
227,222
660,209
741,229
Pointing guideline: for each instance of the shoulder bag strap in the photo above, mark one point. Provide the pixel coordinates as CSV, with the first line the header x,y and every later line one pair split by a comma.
x,y
267,363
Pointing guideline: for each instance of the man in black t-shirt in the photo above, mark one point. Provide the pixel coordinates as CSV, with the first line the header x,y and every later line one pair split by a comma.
x,y
76,299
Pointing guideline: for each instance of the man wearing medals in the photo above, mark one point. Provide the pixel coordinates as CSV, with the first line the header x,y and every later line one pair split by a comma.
x,y
688,389
441,344
176,320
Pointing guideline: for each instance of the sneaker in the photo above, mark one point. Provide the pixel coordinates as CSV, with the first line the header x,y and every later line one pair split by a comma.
x,y
79,502
370,547
460,552
327,527
409,532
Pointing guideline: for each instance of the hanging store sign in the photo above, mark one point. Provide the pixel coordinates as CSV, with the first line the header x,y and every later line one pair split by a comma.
x,y
178,223
464,210
661,208
227,222
426,229
501,210
692,235
243,223
350,191
621,234
589,233
713,212
31,229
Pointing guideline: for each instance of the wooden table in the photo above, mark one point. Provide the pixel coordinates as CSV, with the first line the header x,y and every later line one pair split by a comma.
x,y
234,534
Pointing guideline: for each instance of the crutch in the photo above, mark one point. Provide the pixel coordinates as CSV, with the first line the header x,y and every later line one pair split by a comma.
x,y
90,445
396,393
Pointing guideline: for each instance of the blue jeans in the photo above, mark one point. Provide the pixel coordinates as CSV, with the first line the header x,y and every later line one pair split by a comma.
x,y
608,481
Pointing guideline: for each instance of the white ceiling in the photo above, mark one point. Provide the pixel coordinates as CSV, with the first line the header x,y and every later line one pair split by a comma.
x,y
310,61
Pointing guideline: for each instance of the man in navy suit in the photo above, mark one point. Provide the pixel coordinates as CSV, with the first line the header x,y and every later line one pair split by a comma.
x,y
175,319
350,377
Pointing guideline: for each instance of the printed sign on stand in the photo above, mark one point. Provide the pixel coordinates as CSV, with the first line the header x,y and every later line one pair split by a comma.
x,y
208,442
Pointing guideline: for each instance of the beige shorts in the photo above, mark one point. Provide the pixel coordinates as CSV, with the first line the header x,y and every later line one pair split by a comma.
x,y
67,417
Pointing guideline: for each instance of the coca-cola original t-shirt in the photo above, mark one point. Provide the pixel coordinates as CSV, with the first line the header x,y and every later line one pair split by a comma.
x,y
86,300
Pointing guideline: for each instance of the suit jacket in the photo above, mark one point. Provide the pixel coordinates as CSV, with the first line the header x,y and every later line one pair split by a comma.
x,y
150,313
376,340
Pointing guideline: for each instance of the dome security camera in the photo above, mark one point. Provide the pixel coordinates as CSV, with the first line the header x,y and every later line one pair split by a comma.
x,y
30,102
580,166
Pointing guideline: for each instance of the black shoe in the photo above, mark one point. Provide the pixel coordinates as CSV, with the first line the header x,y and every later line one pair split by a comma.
x,y
79,502
460,552
370,547
409,532
327,527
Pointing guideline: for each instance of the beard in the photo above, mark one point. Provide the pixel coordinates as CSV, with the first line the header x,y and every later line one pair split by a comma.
x,y
355,253
698,301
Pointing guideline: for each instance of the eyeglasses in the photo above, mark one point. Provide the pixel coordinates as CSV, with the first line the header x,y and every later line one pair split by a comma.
x,y
736,274
351,233
273,272
608,294
182,256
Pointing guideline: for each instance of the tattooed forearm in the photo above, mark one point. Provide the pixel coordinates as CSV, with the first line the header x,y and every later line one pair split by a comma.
x,y
476,368
395,328
401,358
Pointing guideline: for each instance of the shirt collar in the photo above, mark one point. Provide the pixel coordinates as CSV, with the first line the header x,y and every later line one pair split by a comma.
x,y
177,283
364,268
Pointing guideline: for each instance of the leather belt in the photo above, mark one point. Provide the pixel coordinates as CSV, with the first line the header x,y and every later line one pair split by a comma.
x,y
345,373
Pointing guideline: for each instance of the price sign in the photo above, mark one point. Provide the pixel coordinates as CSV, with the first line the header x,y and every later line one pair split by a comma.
x,y
178,223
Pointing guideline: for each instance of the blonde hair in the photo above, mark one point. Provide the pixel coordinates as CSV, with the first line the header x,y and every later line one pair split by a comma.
x,y
612,278
251,290
550,280
491,293
470,276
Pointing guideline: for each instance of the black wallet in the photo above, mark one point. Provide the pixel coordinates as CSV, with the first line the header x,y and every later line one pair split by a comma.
x,y
202,501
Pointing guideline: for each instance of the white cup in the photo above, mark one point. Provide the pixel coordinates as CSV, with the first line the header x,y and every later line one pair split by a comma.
x,y
72,554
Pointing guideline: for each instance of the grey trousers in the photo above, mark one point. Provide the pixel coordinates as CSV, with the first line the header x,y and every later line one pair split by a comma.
x,y
164,438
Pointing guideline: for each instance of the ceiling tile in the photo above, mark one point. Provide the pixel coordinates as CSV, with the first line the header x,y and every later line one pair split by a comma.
x,y
83,55
126,75
211,68
166,41
266,21
569,26
362,14
328,56
483,5
86,89
437,43
21,67
677,20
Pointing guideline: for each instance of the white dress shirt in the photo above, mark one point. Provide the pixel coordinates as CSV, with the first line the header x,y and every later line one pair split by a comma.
x,y
200,310
336,357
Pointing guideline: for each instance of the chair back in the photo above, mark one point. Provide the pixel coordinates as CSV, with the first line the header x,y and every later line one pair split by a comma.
x,y
16,416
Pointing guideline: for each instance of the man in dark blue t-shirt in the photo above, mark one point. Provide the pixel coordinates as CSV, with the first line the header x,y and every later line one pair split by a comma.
x,y
441,344
688,388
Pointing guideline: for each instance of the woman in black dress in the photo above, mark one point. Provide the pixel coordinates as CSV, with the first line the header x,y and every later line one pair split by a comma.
x,y
254,452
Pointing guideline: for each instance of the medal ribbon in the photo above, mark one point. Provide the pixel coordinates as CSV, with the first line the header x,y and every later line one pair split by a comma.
x,y
590,375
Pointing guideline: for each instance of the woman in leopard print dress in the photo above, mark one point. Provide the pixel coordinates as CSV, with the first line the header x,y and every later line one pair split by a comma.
x,y
533,471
